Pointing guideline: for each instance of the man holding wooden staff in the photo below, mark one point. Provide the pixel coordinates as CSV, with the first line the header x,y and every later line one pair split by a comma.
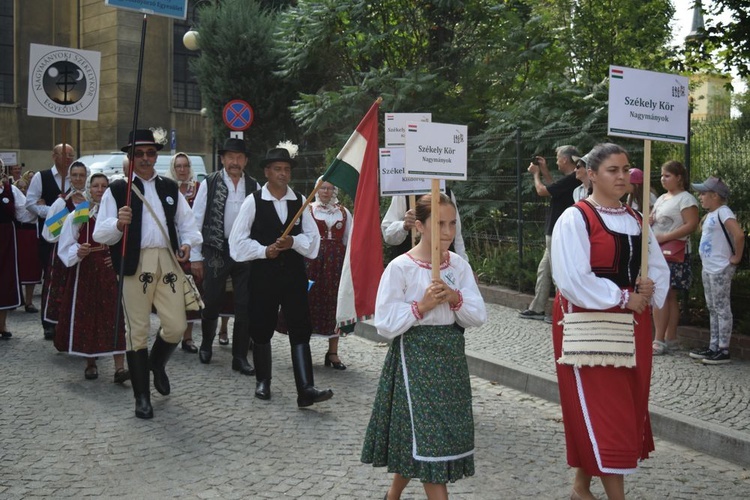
x,y
277,277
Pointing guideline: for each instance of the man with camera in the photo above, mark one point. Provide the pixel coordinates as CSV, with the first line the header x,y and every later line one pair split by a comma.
x,y
561,197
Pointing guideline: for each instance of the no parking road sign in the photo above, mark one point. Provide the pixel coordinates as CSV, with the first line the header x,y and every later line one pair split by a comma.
x,y
238,115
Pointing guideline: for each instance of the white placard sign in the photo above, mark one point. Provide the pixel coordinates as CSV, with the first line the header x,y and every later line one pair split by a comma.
x,y
63,82
648,105
393,178
9,158
395,127
436,150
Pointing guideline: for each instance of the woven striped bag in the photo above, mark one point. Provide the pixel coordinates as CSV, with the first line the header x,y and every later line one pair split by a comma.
x,y
598,339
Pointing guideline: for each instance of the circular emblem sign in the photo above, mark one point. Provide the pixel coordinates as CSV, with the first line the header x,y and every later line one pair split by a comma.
x,y
64,82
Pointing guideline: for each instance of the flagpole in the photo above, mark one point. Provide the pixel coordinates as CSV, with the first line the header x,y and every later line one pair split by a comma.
x,y
302,209
131,156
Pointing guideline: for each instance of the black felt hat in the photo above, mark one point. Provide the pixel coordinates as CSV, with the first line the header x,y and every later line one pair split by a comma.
x,y
278,154
235,145
143,137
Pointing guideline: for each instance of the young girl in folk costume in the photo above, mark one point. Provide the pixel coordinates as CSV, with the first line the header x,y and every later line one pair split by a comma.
x,y
721,247
422,424
54,287
89,303
596,258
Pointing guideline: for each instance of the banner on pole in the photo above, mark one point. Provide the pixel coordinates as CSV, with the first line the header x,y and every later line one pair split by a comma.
x,y
648,105
393,178
395,127
169,8
437,150
63,82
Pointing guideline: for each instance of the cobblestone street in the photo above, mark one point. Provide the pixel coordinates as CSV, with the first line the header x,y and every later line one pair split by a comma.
x,y
63,436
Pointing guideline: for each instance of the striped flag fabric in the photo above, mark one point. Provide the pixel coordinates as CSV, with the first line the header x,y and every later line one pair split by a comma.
x,y
355,170
81,212
55,223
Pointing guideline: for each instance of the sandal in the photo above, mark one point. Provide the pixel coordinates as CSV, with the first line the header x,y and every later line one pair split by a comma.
x,y
121,376
91,372
189,346
659,348
223,337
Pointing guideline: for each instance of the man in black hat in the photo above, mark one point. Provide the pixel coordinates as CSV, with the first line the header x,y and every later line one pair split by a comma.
x,y
151,277
216,207
278,274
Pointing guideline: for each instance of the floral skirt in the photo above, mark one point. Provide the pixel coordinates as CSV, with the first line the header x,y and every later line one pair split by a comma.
x,y
680,274
422,424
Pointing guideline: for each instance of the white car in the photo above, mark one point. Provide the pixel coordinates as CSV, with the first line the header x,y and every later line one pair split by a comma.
x,y
110,164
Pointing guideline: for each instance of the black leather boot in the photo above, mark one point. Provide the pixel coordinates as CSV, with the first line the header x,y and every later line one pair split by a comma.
x,y
240,344
139,379
160,353
208,329
262,360
307,394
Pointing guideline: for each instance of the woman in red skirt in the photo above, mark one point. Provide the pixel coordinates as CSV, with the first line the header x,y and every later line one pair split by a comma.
x,y
86,322
596,258
29,267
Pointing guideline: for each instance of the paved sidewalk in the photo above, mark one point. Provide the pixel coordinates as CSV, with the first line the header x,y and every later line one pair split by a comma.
x,y
704,407
65,437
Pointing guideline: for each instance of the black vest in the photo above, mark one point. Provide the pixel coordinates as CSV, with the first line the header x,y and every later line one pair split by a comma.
x,y
165,188
251,185
7,205
267,228
50,192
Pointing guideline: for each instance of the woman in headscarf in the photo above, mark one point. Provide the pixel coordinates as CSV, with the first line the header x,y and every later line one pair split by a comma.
x,y
334,223
55,287
89,304
181,171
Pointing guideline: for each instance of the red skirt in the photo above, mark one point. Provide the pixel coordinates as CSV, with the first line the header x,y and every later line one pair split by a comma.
x,y
325,271
29,267
10,284
88,307
54,288
605,409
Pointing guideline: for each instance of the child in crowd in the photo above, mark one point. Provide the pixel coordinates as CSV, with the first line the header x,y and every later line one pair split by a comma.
x,y
422,424
721,246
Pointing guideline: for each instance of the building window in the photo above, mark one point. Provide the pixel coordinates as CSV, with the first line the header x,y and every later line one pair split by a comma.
x,y
185,91
6,51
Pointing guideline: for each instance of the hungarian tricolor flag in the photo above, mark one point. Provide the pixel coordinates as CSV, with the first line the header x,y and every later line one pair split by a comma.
x,y
355,170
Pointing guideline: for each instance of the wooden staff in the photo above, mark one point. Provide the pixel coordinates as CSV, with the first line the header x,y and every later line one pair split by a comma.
x,y
646,208
435,228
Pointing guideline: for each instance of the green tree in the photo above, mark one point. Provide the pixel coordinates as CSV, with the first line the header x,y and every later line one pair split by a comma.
x,y
237,62
447,57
